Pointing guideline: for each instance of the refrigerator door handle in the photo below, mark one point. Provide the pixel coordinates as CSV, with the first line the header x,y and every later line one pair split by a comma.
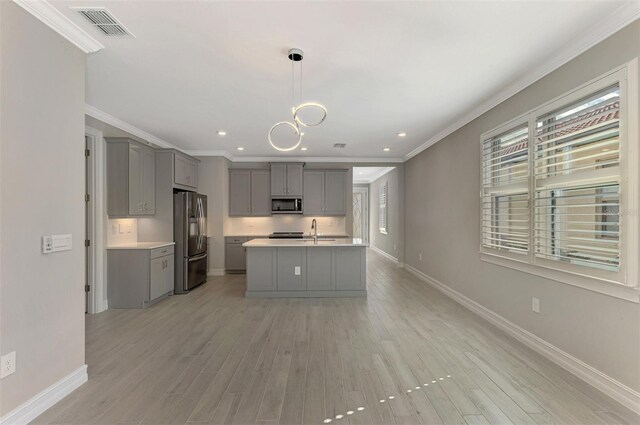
x,y
197,257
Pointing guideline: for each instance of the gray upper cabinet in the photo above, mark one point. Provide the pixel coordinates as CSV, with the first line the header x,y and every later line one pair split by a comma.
x,y
335,201
278,179
260,199
239,193
185,171
294,180
131,185
249,193
325,192
286,180
313,200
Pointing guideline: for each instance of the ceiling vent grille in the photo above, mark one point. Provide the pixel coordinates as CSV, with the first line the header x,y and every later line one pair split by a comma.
x,y
339,145
104,21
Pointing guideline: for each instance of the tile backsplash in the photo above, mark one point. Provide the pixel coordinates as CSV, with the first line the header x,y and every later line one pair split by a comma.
x,y
295,223
122,231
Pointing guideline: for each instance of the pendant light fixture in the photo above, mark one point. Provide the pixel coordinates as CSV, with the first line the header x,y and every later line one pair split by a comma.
x,y
296,55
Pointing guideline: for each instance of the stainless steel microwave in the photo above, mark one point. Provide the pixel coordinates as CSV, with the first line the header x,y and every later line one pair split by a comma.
x,y
286,205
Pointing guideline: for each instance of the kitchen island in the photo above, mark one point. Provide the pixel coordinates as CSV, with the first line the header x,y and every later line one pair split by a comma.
x,y
301,268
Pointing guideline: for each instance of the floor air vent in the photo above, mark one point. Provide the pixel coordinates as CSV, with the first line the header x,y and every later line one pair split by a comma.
x,y
339,145
104,21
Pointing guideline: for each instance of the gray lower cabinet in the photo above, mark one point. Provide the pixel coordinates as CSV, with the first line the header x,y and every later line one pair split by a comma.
x,y
306,272
249,193
139,277
320,275
131,186
235,256
351,269
262,270
291,264
325,192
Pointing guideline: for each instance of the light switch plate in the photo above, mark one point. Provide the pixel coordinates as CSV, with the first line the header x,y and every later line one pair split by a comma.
x,y
47,244
8,364
297,270
535,305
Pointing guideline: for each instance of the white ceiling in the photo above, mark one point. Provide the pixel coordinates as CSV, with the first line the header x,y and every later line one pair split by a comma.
x,y
369,174
196,67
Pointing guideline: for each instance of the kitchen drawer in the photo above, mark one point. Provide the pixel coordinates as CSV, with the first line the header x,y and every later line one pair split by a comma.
x,y
162,251
236,239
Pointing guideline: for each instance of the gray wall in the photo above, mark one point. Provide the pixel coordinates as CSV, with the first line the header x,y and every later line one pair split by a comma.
x,y
42,184
389,243
442,213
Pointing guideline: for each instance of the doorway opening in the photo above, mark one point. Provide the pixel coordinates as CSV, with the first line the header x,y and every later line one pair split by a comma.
x,y
363,177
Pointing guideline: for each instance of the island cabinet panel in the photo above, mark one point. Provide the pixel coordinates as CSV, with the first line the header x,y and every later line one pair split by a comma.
x,y
350,269
320,276
261,270
291,269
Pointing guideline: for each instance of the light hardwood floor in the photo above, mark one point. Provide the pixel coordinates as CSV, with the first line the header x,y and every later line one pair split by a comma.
x,y
215,357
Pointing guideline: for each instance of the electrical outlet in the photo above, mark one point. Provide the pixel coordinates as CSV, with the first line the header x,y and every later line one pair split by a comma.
x,y
535,305
8,364
420,256
297,270
395,247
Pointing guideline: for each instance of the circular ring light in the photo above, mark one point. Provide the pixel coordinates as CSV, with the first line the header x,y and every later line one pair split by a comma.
x,y
306,106
290,124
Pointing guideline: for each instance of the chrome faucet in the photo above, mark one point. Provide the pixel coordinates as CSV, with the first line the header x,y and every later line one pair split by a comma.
x,y
314,227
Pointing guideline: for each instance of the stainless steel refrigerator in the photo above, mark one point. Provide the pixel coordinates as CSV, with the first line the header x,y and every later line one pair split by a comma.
x,y
190,235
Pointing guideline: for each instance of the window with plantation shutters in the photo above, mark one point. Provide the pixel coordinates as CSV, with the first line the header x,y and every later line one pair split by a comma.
x,y
382,211
577,182
560,188
505,191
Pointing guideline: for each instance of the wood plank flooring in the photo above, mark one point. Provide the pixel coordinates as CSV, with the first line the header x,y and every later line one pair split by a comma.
x,y
404,355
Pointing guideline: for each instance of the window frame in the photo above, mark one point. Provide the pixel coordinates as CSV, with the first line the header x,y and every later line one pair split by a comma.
x,y
623,283
385,187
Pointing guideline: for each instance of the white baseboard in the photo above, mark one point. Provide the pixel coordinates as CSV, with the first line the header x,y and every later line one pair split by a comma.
x,y
34,407
624,395
388,256
215,272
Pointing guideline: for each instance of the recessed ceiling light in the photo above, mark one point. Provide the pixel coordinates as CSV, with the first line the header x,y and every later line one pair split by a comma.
x,y
386,149
240,148
402,134
222,133
303,149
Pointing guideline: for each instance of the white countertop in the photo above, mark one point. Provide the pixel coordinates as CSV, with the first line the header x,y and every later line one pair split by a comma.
x,y
302,243
142,245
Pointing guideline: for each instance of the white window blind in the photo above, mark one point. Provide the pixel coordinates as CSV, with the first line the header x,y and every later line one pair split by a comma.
x,y
505,191
382,211
577,181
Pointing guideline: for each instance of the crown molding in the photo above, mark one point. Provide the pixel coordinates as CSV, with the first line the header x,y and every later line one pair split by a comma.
x,y
374,177
57,21
98,114
295,158
618,19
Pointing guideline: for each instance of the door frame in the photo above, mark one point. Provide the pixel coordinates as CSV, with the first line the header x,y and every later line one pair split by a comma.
x,y
96,298
365,213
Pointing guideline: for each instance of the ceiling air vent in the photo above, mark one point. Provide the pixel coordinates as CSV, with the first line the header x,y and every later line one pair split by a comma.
x,y
339,145
104,21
